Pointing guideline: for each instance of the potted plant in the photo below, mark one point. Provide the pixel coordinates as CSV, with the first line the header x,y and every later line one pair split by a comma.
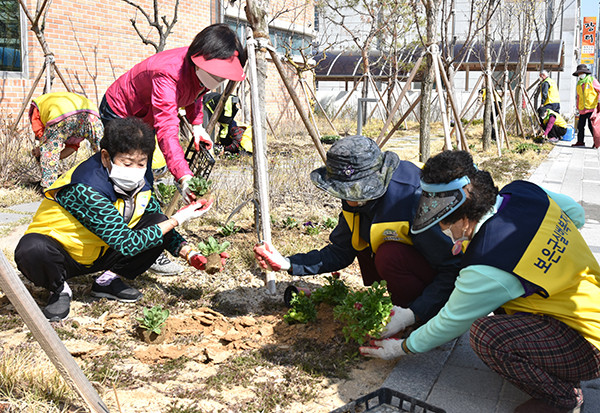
x,y
200,186
302,309
151,324
212,250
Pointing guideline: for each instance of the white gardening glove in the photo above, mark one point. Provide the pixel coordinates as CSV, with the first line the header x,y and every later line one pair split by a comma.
x,y
269,258
193,210
201,136
387,349
400,318
186,193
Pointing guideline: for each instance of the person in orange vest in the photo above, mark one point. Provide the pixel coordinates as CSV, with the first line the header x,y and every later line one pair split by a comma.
x,y
588,89
60,121
549,92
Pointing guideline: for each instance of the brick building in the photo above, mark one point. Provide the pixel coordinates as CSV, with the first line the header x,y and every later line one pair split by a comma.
x,y
94,42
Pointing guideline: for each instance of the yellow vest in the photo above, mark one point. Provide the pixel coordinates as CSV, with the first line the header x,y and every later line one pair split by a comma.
x,y
558,121
573,291
246,141
83,246
56,106
553,95
588,97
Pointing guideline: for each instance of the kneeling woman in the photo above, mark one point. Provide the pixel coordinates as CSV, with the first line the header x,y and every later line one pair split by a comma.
x,y
101,216
526,256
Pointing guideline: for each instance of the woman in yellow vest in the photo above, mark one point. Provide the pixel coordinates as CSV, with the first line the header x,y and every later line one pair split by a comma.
x,y
588,89
555,125
101,216
60,121
525,256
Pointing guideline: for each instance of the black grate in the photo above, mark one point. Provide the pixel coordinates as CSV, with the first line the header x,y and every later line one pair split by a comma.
x,y
392,398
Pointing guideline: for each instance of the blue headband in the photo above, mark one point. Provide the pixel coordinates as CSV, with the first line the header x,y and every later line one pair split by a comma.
x,y
450,186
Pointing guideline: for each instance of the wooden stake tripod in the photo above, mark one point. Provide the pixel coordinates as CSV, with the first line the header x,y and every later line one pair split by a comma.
x,y
49,65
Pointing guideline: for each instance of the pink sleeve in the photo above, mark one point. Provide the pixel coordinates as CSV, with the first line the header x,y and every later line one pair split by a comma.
x,y
549,125
596,85
166,124
195,112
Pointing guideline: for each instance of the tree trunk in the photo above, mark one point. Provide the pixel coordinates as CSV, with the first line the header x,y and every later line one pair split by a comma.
x,y
431,12
256,13
489,95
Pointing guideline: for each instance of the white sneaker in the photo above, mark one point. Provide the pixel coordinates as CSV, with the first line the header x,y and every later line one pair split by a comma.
x,y
164,266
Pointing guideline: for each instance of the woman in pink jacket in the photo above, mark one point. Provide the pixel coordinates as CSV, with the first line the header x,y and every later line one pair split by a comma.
x,y
157,87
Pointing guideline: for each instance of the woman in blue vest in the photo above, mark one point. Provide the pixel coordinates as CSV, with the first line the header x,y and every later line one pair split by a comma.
x,y
525,256
101,216
379,195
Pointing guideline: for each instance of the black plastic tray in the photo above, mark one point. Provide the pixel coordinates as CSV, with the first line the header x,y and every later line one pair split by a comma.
x,y
389,397
200,162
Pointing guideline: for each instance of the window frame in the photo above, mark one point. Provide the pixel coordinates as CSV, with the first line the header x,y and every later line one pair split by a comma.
x,y
24,72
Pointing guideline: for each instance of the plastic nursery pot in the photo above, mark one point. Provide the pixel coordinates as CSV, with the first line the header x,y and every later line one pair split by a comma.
x,y
213,263
290,291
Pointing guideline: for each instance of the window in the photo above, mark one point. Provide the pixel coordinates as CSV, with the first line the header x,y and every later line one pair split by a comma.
x,y
283,40
10,36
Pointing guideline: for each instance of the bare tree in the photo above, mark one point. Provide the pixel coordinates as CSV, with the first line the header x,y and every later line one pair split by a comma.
x,y
160,23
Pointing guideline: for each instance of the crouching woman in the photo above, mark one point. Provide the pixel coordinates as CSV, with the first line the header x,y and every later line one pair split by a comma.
x,y
101,217
525,256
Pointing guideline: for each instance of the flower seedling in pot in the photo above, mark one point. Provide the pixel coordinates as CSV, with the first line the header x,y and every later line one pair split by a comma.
x,y
212,250
165,192
200,186
364,313
152,323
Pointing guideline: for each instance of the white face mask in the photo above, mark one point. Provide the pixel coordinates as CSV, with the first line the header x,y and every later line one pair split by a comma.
x,y
210,81
581,76
126,178
448,232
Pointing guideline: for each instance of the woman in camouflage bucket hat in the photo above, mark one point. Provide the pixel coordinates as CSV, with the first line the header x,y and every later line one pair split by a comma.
x,y
356,170
379,196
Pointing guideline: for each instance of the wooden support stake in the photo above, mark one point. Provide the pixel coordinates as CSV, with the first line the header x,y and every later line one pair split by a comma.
x,y
43,332
438,87
411,76
519,121
470,101
348,97
321,107
309,127
402,119
462,139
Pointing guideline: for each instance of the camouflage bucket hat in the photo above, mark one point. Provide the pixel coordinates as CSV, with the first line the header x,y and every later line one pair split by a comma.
x,y
356,170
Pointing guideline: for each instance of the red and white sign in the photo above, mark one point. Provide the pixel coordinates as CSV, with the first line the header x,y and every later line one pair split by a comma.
x,y
588,40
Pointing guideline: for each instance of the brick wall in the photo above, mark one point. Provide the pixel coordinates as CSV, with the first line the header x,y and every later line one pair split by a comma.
x,y
94,43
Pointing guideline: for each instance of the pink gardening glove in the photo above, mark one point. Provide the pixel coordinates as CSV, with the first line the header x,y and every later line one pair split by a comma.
x,y
387,349
269,258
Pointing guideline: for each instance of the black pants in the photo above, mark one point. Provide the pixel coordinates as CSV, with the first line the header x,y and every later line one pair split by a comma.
x,y
44,261
581,125
557,132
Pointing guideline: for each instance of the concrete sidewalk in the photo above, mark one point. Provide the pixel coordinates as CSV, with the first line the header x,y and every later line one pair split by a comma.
x,y
451,377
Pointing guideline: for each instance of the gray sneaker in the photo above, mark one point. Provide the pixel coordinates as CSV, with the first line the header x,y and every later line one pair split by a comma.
x,y
164,266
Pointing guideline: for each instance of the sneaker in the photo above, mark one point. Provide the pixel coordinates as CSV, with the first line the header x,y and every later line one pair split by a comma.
x,y
553,140
578,144
58,307
116,290
164,266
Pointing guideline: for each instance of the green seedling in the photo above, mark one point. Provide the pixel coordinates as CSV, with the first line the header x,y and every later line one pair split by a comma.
x,y
332,293
290,223
212,246
154,318
229,229
330,138
166,192
330,223
199,185
364,313
302,309
311,228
